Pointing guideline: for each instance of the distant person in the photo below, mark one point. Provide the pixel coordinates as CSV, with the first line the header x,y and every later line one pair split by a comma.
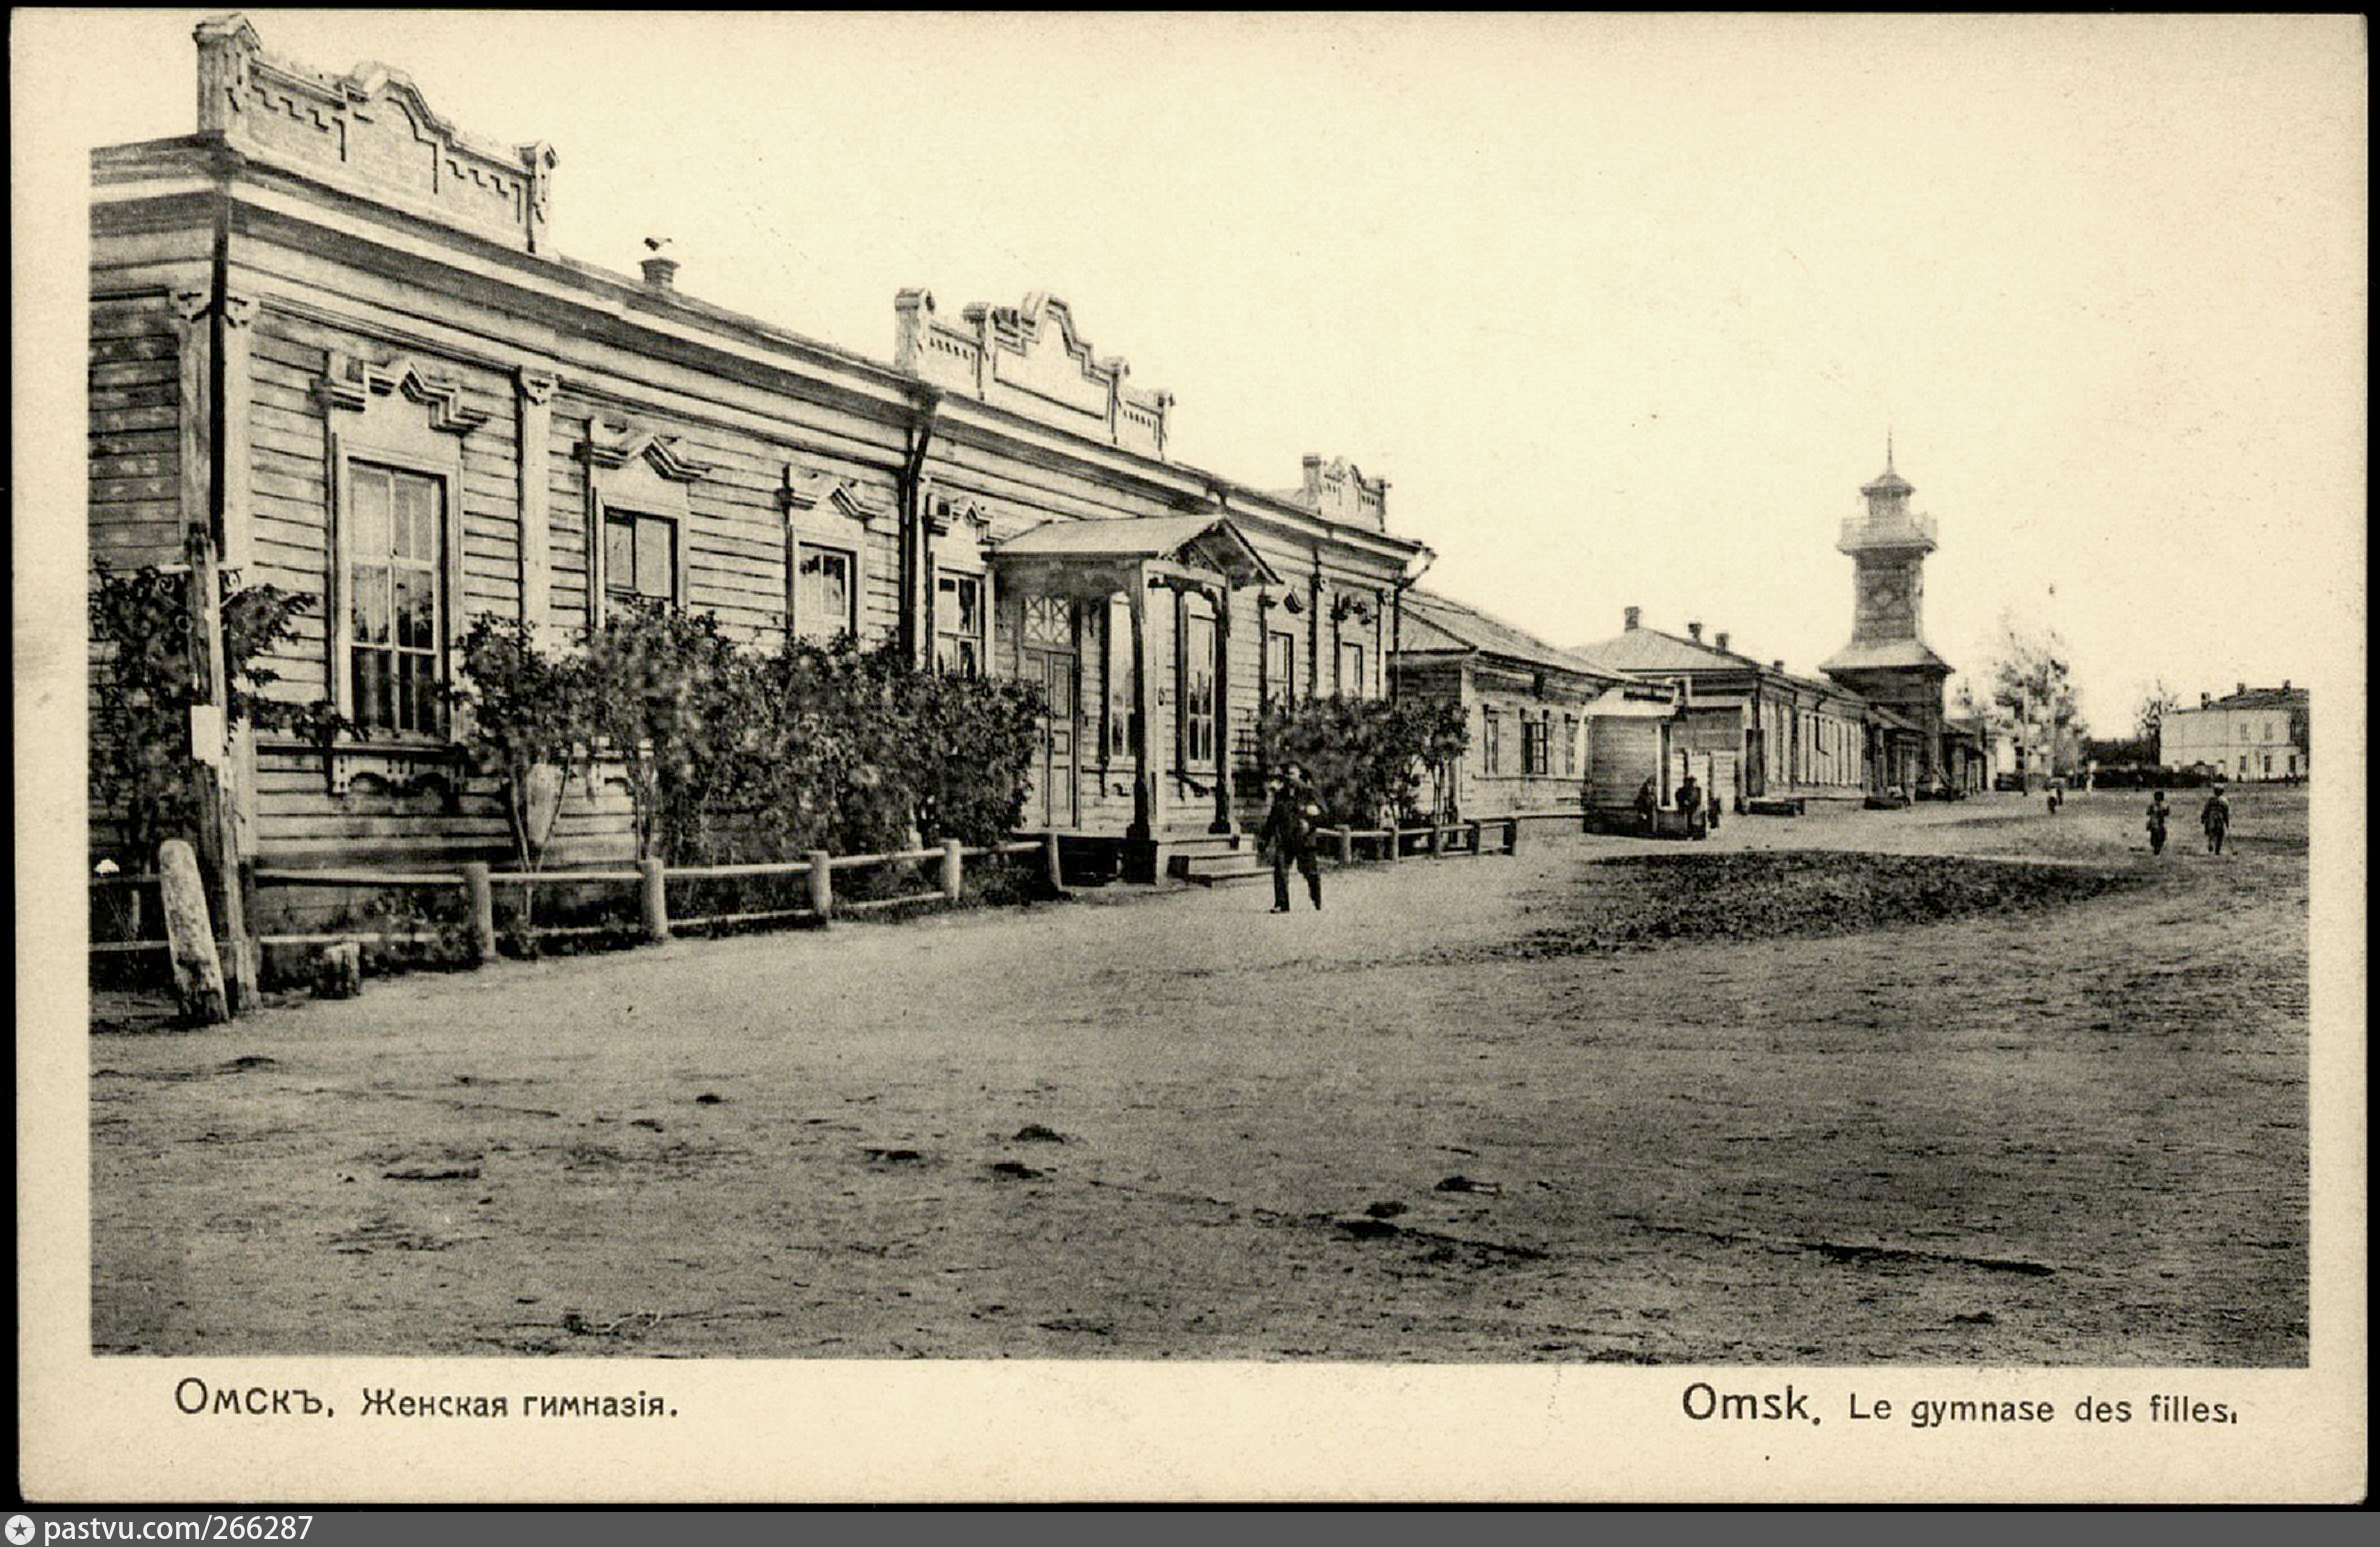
x,y
1288,836
2158,812
1711,816
1689,800
2215,817
2057,795
1648,801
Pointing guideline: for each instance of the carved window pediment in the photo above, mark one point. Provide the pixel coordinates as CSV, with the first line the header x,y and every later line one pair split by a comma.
x,y
352,384
615,446
808,489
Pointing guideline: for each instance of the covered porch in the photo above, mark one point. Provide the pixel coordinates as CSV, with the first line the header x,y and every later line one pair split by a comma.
x,y
1128,626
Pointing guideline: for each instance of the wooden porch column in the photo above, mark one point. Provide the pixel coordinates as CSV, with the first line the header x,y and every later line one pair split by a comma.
x,y
1147,788
1225,821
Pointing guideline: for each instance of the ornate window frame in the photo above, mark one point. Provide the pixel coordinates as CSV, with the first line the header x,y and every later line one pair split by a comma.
x,y
634,469
404,415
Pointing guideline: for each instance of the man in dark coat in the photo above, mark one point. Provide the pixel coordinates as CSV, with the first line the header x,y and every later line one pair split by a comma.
x,y
2215,817
1288,837
2158,812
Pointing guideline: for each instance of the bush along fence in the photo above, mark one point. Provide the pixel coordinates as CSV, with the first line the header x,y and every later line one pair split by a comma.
x,y
745,770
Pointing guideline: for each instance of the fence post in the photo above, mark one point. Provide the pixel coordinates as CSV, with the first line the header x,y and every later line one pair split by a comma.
x,y
1475,829
1049,856
483,912
655,896
822,887
952,861
1512,836
190,935
1437,838
1346,845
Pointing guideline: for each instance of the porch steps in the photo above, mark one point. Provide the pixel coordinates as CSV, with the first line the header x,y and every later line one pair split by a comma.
x,y
1222,869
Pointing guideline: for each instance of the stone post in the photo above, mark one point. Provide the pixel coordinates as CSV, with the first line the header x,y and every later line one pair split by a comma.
x,y
653,895
953,861
482,892
822,886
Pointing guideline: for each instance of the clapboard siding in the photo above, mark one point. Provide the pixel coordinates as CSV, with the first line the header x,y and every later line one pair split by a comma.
x,y
134,510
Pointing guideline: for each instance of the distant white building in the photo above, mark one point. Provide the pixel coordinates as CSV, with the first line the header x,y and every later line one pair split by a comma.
x,y
2254,734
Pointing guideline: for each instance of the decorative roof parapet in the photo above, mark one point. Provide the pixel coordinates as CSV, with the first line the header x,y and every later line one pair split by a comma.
x,y
1340,492
1031,360
370,129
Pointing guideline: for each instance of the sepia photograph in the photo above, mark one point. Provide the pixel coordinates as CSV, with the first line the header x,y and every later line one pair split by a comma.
x,y
1382,697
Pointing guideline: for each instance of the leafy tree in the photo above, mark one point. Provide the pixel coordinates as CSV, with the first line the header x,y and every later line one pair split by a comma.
x,y
1367,757
2149,719
140,729
528,720
2031,683
669,700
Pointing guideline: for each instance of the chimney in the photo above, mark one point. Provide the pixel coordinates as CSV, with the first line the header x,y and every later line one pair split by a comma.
x,y
1694,632
2284,684
1721,639
2206,700
1778,667
2240,689
661,273
1636,617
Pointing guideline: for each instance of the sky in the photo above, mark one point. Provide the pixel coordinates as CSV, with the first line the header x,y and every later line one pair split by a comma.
x,y
1624,307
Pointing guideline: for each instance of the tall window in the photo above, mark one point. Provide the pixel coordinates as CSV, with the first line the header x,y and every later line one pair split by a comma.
x,y
1491,741
1570,743
1533,750
1351,670
1198,691
958,624
1280,667
396,623
1122,709
822,593
640,556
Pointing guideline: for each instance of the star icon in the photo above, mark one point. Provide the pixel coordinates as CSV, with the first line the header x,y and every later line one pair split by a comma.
x,y
20,1530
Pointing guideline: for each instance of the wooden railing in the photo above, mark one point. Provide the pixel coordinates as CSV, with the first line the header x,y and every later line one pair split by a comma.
x,y
1435,839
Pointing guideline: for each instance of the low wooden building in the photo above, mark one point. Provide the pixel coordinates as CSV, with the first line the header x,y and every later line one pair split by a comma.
x,y
1791,736
329,333
1524,703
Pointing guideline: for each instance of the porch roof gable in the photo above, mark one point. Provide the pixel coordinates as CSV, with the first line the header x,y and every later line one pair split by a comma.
x,y
1206,540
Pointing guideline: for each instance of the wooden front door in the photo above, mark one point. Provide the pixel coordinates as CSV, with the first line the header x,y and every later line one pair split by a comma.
x,y
1052,664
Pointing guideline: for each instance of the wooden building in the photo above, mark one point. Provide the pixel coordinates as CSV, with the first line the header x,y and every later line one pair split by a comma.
x,y
1788,736
329,331
1524,704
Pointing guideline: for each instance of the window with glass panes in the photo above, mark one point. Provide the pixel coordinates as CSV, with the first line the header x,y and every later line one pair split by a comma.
x,y
1121,710
1491,741
822,592
1570,743
1280,667
640,556
1351,670
1533,732
1198,690
958,624
395,650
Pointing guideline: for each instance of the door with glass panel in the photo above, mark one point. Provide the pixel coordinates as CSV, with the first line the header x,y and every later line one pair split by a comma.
x,y
1051,664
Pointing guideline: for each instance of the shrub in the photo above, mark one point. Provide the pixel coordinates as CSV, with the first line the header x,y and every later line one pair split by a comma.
x,y
140,726
1367,757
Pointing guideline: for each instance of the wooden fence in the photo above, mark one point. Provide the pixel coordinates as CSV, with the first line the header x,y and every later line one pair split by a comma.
x,y
651,879
1434,840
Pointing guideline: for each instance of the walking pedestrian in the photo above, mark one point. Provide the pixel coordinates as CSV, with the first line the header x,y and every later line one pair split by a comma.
x,y
2158,812
1647,802
1288,836
1690,804
2215,817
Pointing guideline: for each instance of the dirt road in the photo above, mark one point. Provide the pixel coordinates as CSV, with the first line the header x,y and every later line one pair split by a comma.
x,y
1157,1126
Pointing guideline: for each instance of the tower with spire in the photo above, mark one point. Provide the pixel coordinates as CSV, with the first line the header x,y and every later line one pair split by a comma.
x,y
1888,661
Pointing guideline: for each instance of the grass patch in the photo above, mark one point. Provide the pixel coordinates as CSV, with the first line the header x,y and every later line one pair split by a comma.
x,y
1649,900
